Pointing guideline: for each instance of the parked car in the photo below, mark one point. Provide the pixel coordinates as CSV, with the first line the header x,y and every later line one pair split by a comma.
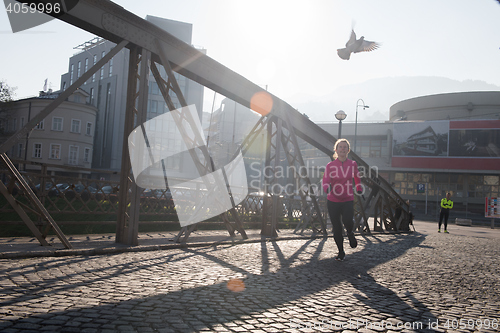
x,y
58,190
107,192
37,189
85,192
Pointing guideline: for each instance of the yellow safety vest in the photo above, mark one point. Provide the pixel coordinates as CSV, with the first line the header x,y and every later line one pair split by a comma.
x,y
446,204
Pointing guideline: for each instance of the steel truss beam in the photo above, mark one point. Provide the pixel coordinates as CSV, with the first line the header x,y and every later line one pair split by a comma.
x,y
281,135
271,200
311,213
127,228
114,23
187,127
51,224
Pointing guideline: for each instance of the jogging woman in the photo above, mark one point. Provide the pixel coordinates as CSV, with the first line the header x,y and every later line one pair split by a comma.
x,y
338,183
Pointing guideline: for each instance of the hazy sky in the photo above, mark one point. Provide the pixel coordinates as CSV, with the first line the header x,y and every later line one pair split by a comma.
x,y
291,45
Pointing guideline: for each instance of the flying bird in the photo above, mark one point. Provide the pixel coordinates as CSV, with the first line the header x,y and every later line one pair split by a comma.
x,y
356,45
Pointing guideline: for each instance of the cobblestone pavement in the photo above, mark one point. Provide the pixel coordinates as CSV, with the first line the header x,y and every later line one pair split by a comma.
x,y
390,283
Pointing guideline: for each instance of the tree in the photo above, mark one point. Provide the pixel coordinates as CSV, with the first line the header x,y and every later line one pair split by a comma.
x,y
6,92
6,96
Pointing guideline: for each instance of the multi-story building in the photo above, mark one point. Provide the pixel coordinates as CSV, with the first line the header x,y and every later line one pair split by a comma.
x,y
64,138
433,145
108,91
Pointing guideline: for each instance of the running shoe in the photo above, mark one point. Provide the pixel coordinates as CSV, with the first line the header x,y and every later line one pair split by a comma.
x,y
352,240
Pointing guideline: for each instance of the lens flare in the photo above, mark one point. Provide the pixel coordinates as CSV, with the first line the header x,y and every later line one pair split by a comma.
x,y
262,103
236,285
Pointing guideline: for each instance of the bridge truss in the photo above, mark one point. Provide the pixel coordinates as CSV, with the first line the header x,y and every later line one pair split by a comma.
x,y
151,46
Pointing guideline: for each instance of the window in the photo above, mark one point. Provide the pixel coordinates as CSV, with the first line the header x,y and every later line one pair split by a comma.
x,y
400,176
153,106
73,155
57,124
79,69
55,151
37,150
71,69
22,122
39,126
75,125
95,61
111,67
153,88
86,155
20,150
86,64
13,124
491,180
88,129
92,96
102,68
162,107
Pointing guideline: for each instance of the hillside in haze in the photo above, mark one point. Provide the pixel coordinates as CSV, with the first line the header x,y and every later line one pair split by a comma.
x,y
380,94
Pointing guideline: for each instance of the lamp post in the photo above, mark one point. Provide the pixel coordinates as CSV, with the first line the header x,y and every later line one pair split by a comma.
x,y
340,115
356,122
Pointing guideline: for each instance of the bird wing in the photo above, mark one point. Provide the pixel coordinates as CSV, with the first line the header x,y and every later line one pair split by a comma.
x,y
352,39
366,46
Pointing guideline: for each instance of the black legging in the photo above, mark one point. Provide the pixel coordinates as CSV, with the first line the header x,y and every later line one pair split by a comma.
x,y
444,213
336,210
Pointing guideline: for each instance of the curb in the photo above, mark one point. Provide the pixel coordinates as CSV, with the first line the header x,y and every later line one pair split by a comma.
x,y
140,248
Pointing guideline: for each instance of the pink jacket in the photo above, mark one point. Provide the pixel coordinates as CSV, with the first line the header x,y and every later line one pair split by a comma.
x,y
337,180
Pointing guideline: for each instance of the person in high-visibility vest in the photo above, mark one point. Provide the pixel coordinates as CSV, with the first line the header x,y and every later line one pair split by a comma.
x,y
446,206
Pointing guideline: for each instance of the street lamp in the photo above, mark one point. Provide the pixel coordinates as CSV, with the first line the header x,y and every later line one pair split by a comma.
x,y
340,115
356,122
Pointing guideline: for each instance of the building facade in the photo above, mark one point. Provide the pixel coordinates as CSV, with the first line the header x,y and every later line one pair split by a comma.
x,y
108,93
433,145
64,138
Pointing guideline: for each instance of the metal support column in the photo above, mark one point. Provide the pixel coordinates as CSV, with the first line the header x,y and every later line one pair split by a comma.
x,y
22,133
311,211
187,128
137,92
273,153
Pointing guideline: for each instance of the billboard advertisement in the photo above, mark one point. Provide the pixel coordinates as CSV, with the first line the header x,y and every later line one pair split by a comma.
x,y
475,142
421,138
459,144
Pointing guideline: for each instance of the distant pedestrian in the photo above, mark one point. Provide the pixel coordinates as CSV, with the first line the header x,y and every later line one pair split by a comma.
x,y
338,183
446,206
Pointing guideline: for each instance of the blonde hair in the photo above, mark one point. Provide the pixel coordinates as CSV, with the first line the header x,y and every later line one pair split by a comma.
x,y
336,144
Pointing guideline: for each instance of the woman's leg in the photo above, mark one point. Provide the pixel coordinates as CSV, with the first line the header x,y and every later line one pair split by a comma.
x,y
347,215
334,210
347,219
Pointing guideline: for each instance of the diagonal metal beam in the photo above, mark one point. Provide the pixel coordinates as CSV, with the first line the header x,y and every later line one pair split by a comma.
x,y
197,141
20,211
35,201
21,134
114,23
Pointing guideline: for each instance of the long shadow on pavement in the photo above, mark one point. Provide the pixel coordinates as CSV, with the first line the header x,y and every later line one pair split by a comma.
x,y
279,295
